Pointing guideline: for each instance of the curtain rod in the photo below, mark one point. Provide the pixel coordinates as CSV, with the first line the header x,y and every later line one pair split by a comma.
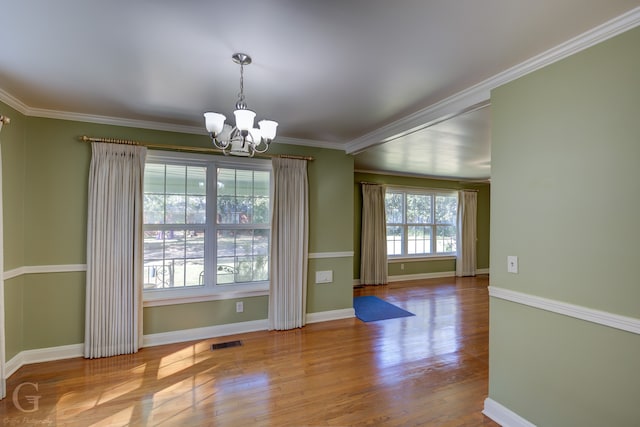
x,y
182,148
4,119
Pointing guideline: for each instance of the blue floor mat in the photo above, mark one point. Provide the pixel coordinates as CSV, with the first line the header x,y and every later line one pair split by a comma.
x,y
370,309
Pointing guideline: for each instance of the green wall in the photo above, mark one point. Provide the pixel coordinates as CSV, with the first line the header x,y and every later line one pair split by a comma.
x,y
12,139
565,199
337,295
202,314
45,170
53,309
13,315
428,266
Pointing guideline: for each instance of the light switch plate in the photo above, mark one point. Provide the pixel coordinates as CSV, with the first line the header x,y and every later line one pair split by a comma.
x,y
512,264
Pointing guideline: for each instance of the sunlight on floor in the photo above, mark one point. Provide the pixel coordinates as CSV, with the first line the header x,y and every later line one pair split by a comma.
x,y
76,402
176,362
119,390
120,418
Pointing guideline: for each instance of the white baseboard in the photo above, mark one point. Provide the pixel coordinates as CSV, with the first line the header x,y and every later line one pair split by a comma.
x,y
503,415
38,355
204,333
325,316
423,276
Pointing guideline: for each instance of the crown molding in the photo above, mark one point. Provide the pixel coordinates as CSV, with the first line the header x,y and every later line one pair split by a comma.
x,y
21,107
465,101
13,102
115,121
478,95
310,143
468,180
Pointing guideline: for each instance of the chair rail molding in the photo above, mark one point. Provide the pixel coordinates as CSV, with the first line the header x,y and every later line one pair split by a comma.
x,y
625,323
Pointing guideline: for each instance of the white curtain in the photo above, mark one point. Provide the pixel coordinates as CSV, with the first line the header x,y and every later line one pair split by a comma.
x,y
467,225
113,318
3,384
373,248
289,245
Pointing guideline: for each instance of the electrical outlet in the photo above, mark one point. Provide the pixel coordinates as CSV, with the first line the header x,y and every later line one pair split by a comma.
x,y
324,276
401,266
239,307
512,264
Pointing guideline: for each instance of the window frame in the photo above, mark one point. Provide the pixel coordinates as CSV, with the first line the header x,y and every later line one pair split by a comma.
x,y
210,290
433,193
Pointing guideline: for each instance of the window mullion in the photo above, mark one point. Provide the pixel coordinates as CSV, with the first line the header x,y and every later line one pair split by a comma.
x,y
186,230
405,234
432,226
210,244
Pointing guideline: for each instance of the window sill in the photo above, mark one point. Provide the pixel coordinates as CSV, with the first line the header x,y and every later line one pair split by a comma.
x,y
158,298
420,258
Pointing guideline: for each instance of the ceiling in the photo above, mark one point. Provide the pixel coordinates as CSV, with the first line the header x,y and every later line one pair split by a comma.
x,y
402,85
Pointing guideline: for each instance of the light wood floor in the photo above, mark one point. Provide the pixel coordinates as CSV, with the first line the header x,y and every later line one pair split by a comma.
x,y
427,370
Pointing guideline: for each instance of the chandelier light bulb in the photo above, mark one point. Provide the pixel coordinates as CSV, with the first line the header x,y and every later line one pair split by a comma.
x,y
244,119
214,122
268,129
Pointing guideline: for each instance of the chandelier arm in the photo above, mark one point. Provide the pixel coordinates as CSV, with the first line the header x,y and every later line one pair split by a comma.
x,y
262,142
218,143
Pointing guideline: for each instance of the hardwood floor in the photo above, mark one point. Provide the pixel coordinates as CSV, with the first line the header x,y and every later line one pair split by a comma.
x,y
430,369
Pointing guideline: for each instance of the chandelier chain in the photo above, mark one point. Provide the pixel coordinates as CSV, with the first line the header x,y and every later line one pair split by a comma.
x,y
241,101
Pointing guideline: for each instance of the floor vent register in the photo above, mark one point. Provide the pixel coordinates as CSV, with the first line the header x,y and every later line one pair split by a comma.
x,y
227,344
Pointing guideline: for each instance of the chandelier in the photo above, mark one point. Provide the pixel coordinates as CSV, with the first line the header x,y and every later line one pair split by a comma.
x,y
242,139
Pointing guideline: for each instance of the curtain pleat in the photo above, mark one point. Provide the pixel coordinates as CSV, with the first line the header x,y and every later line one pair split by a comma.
x,y
373,248
467,225
289,245
113,318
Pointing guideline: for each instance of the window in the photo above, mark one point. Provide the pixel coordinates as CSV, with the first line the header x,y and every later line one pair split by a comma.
x,y
242,237
206,224
420,223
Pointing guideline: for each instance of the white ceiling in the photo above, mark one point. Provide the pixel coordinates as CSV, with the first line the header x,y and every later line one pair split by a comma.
x,y
373,77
